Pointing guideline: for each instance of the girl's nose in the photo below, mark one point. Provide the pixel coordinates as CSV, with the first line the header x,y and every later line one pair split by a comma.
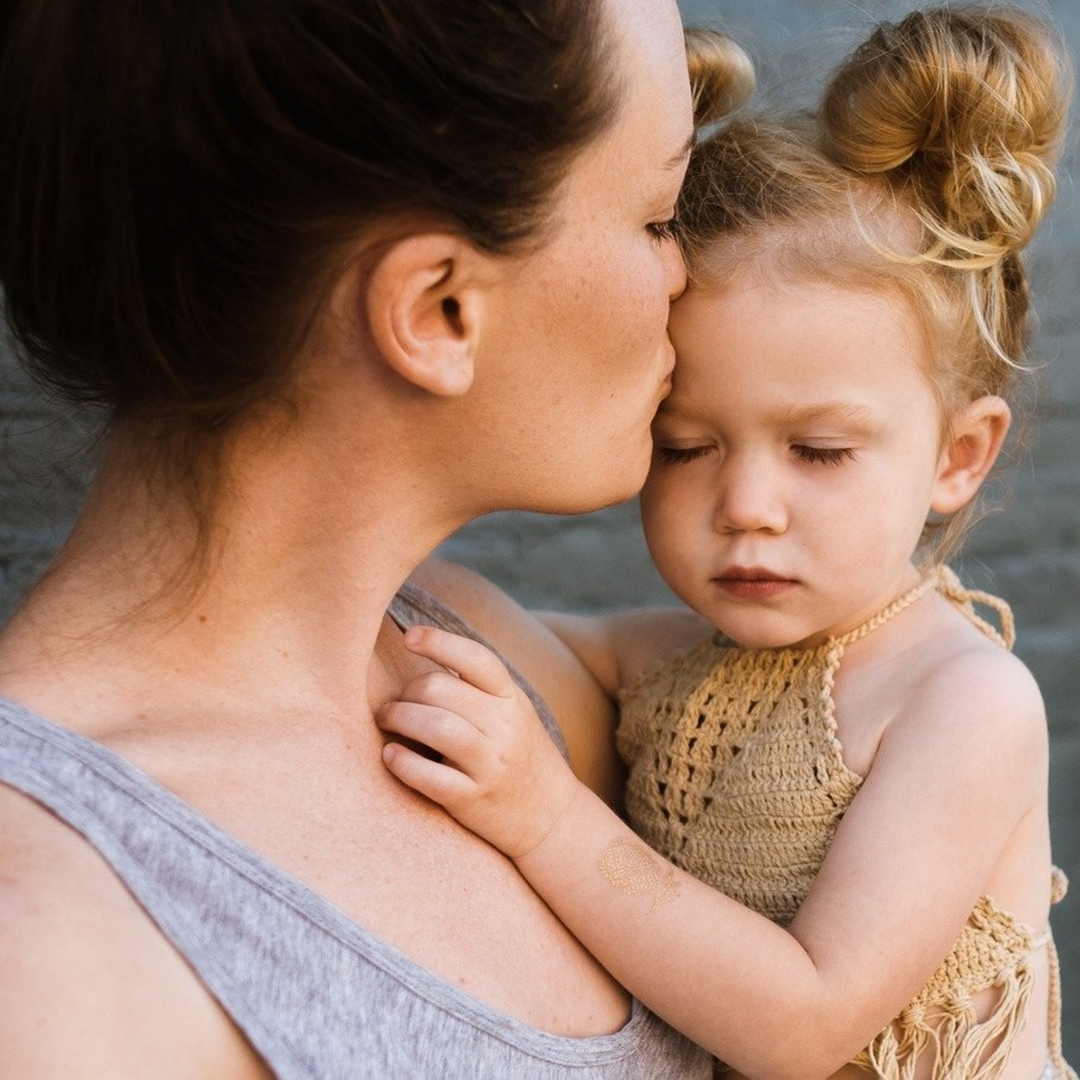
x,y
750,497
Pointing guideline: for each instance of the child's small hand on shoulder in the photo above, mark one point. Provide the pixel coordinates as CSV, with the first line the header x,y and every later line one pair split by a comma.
x,y
499,773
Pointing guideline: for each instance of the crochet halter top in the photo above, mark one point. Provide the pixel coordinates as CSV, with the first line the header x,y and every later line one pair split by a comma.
x,y
736,774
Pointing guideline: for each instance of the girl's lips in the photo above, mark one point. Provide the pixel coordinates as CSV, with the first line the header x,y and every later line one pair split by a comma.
x,y
751,585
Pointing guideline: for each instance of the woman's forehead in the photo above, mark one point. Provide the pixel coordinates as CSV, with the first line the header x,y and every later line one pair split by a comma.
x,y
649,62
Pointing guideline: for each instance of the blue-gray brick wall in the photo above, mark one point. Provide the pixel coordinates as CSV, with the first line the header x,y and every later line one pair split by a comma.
x,y
1029,552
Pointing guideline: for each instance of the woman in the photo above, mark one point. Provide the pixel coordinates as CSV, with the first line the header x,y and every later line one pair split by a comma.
x,y
334,268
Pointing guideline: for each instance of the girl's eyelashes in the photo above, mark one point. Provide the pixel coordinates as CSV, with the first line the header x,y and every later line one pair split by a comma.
x,y
663,230
678,455
813,455
823,455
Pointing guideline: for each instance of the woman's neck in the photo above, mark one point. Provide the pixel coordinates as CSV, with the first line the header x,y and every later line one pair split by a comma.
x,y
290,600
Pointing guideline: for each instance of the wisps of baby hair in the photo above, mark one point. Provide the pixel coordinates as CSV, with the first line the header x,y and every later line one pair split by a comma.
x,y
926,169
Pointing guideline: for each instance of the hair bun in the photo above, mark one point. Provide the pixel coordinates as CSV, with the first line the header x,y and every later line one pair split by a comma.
x,y
721,74
966,107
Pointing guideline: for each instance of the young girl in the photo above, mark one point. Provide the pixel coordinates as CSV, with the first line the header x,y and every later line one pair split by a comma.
x,y
866,764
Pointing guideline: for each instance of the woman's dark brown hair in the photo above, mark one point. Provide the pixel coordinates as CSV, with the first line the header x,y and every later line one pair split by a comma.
x,y
179,176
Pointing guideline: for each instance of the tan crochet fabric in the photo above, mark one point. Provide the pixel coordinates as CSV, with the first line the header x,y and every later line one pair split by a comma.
x,y
736,775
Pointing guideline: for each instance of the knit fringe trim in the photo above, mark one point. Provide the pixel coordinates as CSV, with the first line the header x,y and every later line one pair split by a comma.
x,y
961,1048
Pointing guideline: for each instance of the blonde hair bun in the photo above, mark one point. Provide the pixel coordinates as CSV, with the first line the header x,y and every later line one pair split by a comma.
x,y
964,109
721,74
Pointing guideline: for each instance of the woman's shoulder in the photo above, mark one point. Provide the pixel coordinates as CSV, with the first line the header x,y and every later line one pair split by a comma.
x,y
476,599
44,936
84,968
497,617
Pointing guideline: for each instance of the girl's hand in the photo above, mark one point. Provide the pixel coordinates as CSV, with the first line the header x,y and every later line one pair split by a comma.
x,y
500,774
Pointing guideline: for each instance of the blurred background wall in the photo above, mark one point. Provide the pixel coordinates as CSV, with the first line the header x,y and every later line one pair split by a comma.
x,y
1029,553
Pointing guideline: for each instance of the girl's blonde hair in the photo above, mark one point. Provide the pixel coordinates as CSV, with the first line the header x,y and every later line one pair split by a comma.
x,y
926,170
721,74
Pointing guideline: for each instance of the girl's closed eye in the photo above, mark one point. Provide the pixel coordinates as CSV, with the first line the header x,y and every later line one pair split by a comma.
x,y
678,455
823,455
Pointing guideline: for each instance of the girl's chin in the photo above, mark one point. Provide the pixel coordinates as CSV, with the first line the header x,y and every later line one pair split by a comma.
x,y
762,638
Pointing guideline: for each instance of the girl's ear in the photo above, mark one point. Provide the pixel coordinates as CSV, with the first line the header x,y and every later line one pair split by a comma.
x,y
976,434
425,302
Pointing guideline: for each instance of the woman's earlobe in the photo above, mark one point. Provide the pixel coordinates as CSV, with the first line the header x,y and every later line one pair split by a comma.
x,y
424,302
976,435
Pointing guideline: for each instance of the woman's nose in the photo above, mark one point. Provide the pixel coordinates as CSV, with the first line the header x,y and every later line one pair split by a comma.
x,y
750,498
674,268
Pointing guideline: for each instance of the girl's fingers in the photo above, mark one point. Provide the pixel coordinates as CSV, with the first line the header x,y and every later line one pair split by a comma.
x,y
448,734
441,783
475,663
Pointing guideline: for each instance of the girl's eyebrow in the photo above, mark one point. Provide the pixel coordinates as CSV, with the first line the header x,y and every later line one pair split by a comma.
x,y
850,413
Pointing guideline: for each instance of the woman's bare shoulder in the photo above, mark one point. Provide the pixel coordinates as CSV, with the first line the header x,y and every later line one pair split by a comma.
x,y
512,629
88,985
480,602
56,922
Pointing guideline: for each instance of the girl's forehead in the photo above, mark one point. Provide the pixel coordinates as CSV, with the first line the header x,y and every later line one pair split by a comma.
x,y
785,345
813,308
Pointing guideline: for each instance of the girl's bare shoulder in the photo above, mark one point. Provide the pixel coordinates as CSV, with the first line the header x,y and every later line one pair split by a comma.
x,y
965,671
931,685
961,698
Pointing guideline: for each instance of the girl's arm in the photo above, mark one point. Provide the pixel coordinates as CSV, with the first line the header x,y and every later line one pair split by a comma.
x,y
954,779
618,646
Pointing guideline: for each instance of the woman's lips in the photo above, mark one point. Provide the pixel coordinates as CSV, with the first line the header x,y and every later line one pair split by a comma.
x,y
667,381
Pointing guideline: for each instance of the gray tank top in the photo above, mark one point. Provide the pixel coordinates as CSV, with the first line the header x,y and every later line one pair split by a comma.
x,y
315,993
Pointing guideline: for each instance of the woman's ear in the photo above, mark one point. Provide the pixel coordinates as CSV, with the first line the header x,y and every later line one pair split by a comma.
x,y
976,434
425,302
